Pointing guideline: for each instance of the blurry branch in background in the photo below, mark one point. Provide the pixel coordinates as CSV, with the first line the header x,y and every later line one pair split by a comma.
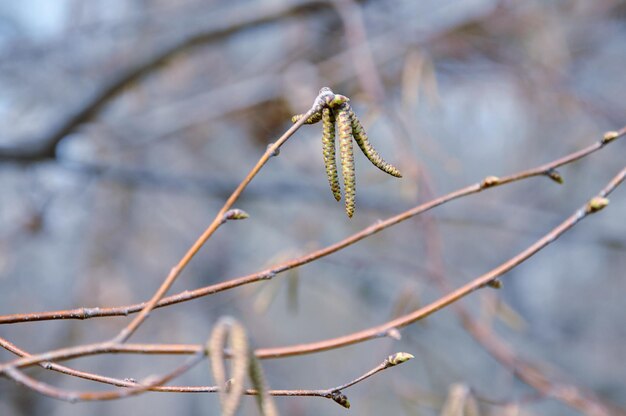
x,y
245,18
530,373
221,26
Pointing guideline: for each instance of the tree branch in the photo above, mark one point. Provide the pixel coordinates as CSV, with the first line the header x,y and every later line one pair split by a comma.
x,y
386,329
547,169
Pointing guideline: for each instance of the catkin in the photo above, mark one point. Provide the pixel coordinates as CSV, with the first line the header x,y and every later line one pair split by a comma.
x,y
311,120
347,157
368,150
328,147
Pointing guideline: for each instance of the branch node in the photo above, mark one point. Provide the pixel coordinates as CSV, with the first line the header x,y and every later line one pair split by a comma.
x,y
267,275
394,333
609,136
276,151
495,283
555,176
596,204
235,214
489,181
340,398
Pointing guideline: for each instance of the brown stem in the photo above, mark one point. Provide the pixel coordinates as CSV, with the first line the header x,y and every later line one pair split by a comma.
x,y
370,333
74,396
86,313
479,282
154,385
219,219
216,29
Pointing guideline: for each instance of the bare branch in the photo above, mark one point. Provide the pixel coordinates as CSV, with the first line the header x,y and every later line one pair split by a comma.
x,y
370,333
93,312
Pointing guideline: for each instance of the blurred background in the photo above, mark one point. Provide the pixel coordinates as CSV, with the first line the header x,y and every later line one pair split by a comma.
x,y
124,125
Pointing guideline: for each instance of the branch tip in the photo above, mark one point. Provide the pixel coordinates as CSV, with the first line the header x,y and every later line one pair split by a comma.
x,y
399,358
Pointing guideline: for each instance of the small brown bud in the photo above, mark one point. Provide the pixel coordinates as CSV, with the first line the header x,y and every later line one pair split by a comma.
x,y
609,136
490,181
555,176
596,204
340,399
495,283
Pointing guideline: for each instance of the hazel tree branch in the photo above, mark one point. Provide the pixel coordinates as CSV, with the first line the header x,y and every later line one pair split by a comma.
x,y
389,328
334,393
547,169
595,204
571,395
221,217
75,396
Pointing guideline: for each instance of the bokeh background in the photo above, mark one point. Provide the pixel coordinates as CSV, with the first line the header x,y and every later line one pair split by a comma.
x,y
449,91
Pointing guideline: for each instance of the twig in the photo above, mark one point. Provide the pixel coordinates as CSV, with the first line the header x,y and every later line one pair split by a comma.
x,y
594,205
492,181
75,396
155,385
219,219
569,394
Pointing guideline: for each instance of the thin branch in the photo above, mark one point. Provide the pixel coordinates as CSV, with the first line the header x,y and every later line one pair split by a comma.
x,y
573,396
75,396
155,385
591,206
219,219
594,205
93,312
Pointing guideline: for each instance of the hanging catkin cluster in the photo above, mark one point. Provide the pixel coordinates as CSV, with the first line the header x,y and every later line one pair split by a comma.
x,y
335,109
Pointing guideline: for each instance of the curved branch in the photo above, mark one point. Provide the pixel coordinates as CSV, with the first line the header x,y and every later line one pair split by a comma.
x,y
546,169
386,329
593,205
155,385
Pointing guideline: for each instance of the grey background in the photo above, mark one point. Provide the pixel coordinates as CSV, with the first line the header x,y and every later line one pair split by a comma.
x,y
479,87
